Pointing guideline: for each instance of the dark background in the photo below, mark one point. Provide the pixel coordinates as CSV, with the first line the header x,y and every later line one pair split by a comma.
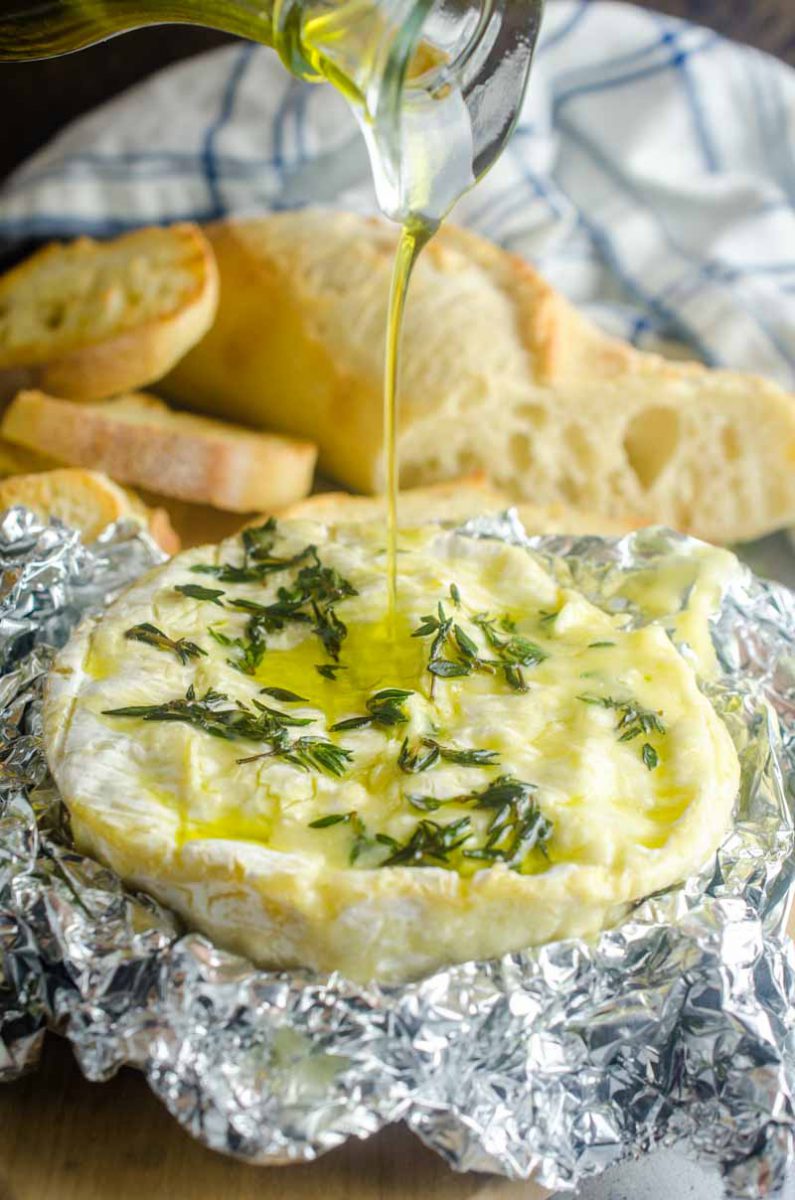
x,y
38,98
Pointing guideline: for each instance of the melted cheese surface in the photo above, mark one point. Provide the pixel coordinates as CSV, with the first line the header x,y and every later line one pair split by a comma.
x,y
236,845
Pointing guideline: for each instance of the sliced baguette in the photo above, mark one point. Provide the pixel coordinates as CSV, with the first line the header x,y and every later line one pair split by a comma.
x,y
456,500
500,373
87,501
92,319
16,460
138,439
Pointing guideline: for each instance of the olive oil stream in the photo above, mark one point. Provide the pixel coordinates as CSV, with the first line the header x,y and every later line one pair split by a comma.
x,y
413,236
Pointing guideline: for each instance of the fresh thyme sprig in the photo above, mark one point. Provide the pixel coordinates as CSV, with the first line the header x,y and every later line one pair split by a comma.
x,y
517,824
309,600
454,653
384,708
514,650
412,760
309,753
442,628
250,650
360,839
516,827
259,561
152,636
633,721
215,714
431,844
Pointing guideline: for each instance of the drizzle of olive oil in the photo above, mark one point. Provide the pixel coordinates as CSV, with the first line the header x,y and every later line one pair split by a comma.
x,y
413,236
376,654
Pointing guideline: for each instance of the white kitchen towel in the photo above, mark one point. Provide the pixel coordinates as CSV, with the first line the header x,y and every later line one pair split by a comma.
x,y
651,176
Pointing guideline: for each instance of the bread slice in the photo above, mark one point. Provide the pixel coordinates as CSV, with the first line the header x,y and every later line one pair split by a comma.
x,y
16,460
500,373
87,501
138,439
92,319
456,500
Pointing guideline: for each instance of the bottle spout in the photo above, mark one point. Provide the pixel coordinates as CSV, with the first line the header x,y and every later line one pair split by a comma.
x,y
436,86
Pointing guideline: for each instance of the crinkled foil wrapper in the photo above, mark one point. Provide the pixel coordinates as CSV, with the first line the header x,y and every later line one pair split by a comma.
x,y
675,1027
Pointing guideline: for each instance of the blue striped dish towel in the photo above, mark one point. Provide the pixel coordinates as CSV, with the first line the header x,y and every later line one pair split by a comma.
x,y
651,176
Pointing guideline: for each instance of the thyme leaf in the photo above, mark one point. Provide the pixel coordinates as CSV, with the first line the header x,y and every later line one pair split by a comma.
x,y
152,636
633,721
384,708
360,839
331,819
329,670
284,695
195,591
413,760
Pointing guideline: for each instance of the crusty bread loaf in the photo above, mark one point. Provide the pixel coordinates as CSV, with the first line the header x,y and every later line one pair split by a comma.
x,y
500,373
456,500
138,439
87,501
92,319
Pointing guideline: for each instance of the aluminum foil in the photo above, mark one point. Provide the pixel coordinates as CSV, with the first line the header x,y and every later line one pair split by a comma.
x,y
675,1027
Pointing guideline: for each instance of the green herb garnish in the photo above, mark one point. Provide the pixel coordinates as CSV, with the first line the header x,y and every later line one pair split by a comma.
x,y
283,695
384,708
152,636
309,753
196,592
215,714
329,670
429,751
454,653
360,839
431,844
309,600
517,824
599,645
259,561
332,819
633,721
516,827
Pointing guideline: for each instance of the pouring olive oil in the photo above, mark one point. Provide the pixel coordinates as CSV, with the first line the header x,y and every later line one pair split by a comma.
x,y
435,85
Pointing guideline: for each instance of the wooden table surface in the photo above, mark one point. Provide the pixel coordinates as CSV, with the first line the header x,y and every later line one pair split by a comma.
x,y
62,1138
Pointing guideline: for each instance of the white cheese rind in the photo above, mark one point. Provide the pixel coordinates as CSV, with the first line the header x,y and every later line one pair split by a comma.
x,y
146,798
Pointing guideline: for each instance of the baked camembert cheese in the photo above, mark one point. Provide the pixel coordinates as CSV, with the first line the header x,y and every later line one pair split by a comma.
x,y
252,736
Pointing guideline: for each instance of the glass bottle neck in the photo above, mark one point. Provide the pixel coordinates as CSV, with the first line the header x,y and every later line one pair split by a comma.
x,y
436,85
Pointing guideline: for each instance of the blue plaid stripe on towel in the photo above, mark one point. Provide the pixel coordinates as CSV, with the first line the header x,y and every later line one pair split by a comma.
x,y
651,176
